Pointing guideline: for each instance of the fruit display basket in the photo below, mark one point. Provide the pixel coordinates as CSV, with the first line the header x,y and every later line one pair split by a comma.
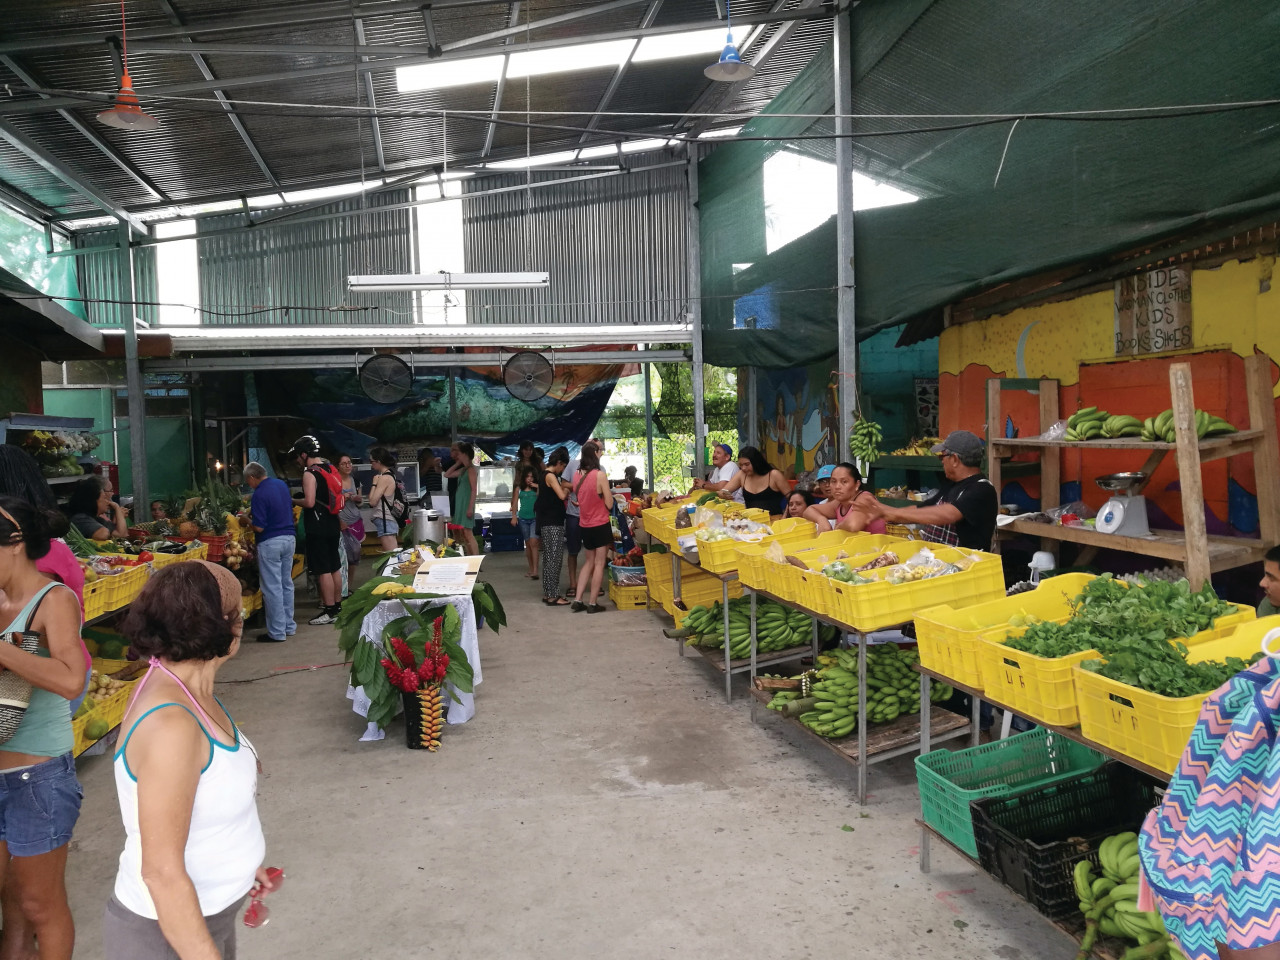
x,y
95,598
1044,689
723,556
1032,840
126,586
950,780
874,606
951,637
108,711
1146,726
755,570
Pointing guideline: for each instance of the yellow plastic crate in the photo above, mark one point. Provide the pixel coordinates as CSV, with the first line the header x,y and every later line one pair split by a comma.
x,y
815,592
95,598
111,710
753,565
657,568
707,591
628,598
161,560
873,606
1045,689
951,638
130,584
1145,726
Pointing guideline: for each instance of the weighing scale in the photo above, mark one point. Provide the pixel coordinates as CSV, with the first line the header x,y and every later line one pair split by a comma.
x,y
1126,512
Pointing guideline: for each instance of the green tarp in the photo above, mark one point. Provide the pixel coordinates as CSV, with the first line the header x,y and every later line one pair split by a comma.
x,y
1070,191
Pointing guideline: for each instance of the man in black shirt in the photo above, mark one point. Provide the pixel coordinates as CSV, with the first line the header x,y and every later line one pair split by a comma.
x,y
321,526
963,512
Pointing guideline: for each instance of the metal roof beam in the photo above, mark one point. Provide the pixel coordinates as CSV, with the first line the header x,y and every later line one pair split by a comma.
x,y
15,107
203,66
69,176
418,361
607,97
29,78
367,80
26,205
432,49
716,95
264,16
512,19
409,204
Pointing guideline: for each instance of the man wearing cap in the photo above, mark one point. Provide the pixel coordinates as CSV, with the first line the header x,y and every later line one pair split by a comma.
x,y
724,467
320,524
822,482
963,512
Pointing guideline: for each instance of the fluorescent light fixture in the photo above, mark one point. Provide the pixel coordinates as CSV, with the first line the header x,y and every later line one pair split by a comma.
x,y
583,56
392,283
449,73
543,160
720,134
672,46
568,59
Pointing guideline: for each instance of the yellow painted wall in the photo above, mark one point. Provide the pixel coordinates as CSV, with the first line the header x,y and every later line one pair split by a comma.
x,y
1229,310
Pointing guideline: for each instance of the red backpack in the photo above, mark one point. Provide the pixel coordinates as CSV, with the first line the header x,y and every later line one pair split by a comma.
x,y
333,482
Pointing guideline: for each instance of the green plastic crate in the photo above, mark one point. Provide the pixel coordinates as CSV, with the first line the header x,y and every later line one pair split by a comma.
x,y
950,779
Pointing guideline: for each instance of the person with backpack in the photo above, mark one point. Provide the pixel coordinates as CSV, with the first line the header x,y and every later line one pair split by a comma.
x,y
322,502
387,498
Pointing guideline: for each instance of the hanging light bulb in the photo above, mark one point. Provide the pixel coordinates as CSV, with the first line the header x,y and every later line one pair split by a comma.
x,y
125,114
729,68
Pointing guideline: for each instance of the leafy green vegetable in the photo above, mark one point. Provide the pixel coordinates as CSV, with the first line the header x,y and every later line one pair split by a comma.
x,y
1163,668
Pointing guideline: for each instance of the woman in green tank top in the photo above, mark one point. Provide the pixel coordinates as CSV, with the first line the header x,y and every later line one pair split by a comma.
x,y
464,502
39,793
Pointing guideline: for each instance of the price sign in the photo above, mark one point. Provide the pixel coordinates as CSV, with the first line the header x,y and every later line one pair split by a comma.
x,y
1153,312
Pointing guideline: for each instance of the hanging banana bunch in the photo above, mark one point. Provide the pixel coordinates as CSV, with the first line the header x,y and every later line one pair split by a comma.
x,y
864,440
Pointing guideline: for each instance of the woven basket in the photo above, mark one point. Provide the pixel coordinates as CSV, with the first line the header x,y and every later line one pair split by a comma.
x,y
416,716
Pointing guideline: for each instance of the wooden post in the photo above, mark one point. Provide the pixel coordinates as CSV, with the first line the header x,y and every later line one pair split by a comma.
x,y
1266,452
995,432
1184,421
1050,459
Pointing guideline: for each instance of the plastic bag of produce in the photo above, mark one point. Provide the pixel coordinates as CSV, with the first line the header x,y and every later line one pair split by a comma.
x,y
923,566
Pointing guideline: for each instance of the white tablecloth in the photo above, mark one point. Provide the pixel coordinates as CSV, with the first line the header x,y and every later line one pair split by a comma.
x,y
389,610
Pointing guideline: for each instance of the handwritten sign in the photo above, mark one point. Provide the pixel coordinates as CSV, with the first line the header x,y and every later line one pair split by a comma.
x,y
1153,312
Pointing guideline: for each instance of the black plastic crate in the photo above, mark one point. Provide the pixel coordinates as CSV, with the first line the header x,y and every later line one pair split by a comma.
x,y
1031,841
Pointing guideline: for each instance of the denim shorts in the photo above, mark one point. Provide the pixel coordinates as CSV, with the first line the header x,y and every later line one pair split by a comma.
x,y
528,529
39,806
386,527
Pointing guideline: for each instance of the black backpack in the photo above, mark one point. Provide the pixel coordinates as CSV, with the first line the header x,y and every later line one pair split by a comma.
x,y
398,507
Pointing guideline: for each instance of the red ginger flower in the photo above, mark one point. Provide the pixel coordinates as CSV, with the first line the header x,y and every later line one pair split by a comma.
x,y
403,653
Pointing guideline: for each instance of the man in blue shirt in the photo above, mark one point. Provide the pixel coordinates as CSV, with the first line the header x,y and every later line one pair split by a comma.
x,y
272,508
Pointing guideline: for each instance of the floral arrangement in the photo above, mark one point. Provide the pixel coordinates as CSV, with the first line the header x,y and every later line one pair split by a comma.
x,y
409,676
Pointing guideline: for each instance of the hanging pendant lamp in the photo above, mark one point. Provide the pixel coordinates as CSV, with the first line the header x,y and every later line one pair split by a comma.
x,y
729,68
125,114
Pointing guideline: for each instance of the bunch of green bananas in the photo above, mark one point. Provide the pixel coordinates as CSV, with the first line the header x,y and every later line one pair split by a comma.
x,y
781,698
1086,424
1161,427
893,689
777,627
864,440
1121,425
834,713
1110,902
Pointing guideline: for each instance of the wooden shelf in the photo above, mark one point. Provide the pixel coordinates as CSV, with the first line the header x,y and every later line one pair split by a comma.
x,y
1200,553
884,740
715,657
1071,733
1223,553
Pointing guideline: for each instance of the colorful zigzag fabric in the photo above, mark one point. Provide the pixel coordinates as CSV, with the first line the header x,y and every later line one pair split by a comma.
x,y
1211,850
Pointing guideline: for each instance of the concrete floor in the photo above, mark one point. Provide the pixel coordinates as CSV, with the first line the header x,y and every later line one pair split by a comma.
x,y
604,802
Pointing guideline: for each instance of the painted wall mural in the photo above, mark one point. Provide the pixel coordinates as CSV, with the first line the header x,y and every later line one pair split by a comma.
x,y
1237,314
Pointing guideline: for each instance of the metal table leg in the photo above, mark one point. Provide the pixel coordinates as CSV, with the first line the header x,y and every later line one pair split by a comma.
x,y
926,734
724,607
862,718
814,622
675,585
975,719
753,636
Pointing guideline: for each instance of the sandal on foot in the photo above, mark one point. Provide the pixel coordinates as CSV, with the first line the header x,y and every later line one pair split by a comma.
x,y
555,602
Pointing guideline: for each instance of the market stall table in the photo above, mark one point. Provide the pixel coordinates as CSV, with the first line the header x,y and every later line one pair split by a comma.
x,y
943,725
460,710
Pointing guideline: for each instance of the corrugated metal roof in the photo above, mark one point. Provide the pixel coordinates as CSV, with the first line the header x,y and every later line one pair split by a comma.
x,y
197,153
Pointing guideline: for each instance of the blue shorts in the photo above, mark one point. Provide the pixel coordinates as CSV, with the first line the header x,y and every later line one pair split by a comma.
x,y
386,528
39,806
572,536
528,529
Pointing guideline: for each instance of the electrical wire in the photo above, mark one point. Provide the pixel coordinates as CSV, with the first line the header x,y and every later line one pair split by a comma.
x,y
284,673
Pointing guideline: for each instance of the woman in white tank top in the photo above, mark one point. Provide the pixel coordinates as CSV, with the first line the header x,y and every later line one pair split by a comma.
x,y
186,778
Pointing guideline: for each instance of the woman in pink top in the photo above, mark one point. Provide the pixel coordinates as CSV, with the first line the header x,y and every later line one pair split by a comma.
x,y
842,511
592,488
